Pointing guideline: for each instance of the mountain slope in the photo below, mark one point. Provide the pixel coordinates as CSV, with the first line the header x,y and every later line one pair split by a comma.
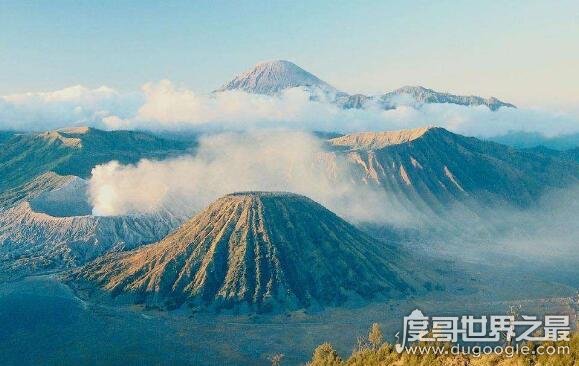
x,y
260,251
571,154
31,189
5,136
76,151
272,77
432,168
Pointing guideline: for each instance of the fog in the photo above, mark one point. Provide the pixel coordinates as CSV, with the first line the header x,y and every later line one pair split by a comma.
x,y
233,162
548,231
542,237
298,162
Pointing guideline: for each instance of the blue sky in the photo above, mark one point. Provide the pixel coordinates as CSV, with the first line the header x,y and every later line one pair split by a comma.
x,y
523,51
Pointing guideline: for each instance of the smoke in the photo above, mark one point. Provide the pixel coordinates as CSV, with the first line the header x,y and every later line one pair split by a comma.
x,y
233,162
164,106
503,237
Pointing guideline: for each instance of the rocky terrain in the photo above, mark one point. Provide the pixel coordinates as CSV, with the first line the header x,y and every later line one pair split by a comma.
x,y
44,182
258,251
439,179
260,270
55,230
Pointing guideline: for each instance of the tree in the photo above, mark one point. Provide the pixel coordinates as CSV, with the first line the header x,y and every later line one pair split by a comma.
x,y
276,359
325,355
376,337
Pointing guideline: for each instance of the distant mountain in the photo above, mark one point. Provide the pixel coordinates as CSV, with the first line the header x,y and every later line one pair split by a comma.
x,y
421,95
358,101
257,251
431,168
273,77
55,230
76,151
527,140
571,154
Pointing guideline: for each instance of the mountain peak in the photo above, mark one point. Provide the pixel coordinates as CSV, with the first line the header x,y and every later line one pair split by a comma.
x,y
272,77
79,130
258,251
72,136
413,88
379,140
259,194
276,63
77,151
67,139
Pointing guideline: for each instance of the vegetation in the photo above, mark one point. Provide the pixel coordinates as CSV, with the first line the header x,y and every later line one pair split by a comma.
x,y
373,350
276,359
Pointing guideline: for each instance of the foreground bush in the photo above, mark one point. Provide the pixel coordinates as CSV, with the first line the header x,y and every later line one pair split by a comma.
x,y
373,351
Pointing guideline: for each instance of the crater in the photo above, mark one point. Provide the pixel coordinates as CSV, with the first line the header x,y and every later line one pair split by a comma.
x,y
69,200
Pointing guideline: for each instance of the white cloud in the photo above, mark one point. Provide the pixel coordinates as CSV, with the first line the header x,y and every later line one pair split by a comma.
x,y
170,107
76,105
164,106
233,162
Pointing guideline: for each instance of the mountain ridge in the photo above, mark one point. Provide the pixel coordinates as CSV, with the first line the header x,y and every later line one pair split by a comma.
x,y
273,77
432,168
76,151
380,139
422,95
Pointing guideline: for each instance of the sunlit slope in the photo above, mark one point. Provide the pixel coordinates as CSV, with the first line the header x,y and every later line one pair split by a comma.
x,y
260,251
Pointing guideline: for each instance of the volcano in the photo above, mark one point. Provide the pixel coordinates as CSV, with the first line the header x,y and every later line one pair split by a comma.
x,y
272,77
256,251
54,229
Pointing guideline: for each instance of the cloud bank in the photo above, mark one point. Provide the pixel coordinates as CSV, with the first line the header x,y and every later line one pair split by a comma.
x,y
233,162
73,106
164,106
